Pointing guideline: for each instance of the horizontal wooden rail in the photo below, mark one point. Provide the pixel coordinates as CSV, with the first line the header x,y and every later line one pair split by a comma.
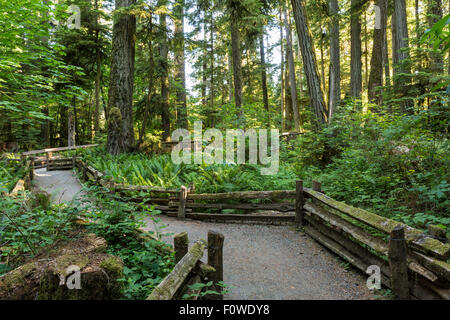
x,y
29,153
241,195
415,238
167,289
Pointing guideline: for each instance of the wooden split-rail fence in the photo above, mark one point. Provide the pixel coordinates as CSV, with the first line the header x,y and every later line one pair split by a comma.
x,y
183,282
413,263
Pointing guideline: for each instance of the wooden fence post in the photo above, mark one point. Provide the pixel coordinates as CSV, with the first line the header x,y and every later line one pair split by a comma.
x,y
398,263
47,158
181,245
83,165
316,186
182,204
299,203
215,260
31,168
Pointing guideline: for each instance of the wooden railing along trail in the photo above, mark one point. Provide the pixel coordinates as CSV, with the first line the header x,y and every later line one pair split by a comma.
x,y
413,263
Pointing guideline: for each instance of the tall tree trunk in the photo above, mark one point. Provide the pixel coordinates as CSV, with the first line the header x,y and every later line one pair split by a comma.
x,y
263,71
71,125
151,67
98,74
163,52
292,82
376,62
211,114
387,72
335,56
283,82
309,61
355,59
204,64
366,53
180,73
230,78
401,55
120,95
236,58
434,13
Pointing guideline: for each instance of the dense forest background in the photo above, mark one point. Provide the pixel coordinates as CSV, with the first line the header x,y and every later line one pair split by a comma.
x,y
365,82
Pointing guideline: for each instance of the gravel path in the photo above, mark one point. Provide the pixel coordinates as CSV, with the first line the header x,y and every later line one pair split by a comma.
x,y
62,185
273,262
260,262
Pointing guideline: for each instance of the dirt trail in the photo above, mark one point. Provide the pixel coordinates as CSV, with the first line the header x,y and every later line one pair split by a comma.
x,y
63,185
274,262
260,262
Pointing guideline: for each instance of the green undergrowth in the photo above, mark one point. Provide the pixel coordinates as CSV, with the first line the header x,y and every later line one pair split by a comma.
x,y
159,170
10,173
393,166
28,224
146,260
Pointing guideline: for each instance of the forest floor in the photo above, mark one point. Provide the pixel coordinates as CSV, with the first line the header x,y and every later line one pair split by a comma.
x,y
260,262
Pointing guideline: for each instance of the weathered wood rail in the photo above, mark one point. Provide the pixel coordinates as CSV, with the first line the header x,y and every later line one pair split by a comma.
x,y
360,237
190,270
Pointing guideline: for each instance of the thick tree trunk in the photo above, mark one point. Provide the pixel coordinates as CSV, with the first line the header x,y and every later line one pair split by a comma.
x,y
120,93
70,127
434,13
236,58
387,72
309,61
335,64
290,59
97,76
204,65
376,63
180,73
401,54
151,66
163,52
211,114
355,59
263,71
283,82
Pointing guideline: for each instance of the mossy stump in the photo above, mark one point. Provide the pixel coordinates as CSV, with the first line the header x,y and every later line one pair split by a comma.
x,y
53,273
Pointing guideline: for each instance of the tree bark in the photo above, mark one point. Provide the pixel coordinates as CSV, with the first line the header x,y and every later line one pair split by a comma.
x,y
180,73
335,64
355,59
283,82
401,54
292,82
376,62
120,93
263,71
434,12
151,66
163,52
98,74
236,58
309,62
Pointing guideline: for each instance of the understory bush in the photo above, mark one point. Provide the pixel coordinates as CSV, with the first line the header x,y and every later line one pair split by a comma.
x,y
395,166
159,170
146,260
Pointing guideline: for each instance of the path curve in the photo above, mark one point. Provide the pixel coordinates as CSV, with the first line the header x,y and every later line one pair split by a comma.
x,y
62,185
274,262
260,262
